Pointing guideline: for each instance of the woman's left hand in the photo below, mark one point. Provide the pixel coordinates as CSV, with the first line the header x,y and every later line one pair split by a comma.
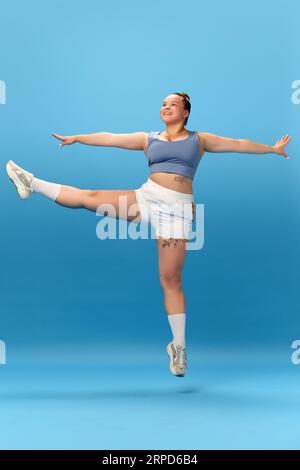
x,y
280,145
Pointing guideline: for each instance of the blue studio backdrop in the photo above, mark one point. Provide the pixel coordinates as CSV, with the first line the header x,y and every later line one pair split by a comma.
x,y
72,300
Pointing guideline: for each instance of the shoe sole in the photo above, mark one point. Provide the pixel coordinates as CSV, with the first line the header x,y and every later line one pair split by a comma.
x,y
171,362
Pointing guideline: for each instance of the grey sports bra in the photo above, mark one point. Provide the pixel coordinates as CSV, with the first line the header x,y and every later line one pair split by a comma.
x,y
181,156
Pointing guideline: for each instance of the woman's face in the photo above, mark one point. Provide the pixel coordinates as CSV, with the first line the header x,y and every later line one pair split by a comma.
x,y
172,110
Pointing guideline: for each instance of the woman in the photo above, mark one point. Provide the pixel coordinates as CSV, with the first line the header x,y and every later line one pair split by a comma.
x,y
173,157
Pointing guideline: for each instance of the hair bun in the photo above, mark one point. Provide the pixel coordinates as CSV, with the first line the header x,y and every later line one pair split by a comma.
x,y
186,96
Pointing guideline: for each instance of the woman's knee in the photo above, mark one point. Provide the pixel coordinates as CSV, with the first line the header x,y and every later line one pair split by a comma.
x,y
90,196
170,280
91,193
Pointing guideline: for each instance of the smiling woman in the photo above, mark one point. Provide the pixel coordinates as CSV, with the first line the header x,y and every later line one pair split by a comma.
x,y
184,102
165,200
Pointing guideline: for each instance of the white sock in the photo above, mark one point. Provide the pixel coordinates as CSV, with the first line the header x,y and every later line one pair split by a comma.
x,y
177,323
46,188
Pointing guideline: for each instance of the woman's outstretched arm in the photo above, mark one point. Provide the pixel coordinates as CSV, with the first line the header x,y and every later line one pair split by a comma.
x,y
132,141
216,143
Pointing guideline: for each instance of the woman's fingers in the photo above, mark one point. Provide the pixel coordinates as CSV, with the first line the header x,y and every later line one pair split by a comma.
x,y
60,137
57,136
281,144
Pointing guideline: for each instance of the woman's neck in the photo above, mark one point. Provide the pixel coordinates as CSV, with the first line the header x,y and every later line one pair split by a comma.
x,y
173,132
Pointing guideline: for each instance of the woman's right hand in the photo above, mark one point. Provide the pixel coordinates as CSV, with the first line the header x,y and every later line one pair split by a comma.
x,y
67,140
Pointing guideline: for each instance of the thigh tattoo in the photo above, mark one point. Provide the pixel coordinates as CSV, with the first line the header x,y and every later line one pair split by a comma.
x,y
172,241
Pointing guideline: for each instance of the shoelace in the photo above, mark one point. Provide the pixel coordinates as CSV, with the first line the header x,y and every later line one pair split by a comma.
x,y
181,356
22,177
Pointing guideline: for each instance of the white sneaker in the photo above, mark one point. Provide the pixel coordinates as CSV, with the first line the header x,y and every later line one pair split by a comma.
x,y
178,363
21,179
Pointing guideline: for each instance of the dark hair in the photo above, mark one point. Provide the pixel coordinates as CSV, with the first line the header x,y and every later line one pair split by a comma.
x,y
186,104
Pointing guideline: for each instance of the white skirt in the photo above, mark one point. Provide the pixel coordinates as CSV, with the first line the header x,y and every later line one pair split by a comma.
x,y
170,212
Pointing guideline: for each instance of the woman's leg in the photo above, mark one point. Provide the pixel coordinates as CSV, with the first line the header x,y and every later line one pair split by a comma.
x,y
118,203
122,201
171,257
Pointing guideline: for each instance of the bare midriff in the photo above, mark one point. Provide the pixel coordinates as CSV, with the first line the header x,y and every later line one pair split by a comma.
x,y
173,181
